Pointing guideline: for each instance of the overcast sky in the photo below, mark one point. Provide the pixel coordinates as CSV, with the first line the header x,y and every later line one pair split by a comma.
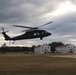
x,y
35,13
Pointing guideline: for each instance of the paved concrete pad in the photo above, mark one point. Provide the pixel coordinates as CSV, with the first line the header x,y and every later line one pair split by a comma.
x,y
66,56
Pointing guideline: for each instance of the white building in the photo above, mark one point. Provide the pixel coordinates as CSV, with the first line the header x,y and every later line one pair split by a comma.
x,y
42,49
69,48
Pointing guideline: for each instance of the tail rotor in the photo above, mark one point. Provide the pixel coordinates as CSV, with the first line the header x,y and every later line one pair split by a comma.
x,y
3,31
5,35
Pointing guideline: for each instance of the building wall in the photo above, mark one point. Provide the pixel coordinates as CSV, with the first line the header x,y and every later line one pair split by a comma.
x,y
42,49
66,49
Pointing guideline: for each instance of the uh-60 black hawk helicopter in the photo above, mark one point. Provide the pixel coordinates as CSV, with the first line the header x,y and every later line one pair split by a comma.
x,y
31,33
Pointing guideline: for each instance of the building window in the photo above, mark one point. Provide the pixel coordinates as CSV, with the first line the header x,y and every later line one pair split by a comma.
x,y
42,50
74,46
48,47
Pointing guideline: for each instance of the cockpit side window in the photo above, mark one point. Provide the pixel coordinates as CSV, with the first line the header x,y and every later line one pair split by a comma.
x,y
46,32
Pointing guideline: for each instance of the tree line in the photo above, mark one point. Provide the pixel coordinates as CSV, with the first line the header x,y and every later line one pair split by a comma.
x,y
5,48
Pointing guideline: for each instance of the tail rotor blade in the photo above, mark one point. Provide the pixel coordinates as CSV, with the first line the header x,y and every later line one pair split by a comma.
x,y
3,29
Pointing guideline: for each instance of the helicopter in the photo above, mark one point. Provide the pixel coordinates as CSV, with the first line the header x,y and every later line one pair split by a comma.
x,y
31,33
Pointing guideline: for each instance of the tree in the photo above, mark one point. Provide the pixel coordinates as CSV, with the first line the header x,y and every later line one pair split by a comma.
x,y
55,44
4,45
32,48
3,48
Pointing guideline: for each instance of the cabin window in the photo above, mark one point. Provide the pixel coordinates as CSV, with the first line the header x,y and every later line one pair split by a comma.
x,y
42,33
37,33
34,34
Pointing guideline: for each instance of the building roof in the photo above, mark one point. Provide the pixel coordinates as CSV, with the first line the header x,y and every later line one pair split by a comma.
x,y
63,46
41,45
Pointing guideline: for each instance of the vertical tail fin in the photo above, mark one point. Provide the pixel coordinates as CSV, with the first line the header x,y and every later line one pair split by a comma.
x,y
5,35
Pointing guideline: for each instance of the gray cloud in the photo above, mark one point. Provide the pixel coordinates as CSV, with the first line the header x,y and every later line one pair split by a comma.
x,y
29,12
73,1
66,24
17,11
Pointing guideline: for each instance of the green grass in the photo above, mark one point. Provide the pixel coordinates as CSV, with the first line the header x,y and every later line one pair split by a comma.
x,y
36,64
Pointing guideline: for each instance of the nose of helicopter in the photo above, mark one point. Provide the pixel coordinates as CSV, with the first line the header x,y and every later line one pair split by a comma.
x,y
49,33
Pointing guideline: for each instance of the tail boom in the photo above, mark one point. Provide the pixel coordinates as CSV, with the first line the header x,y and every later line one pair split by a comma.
x,y
6,36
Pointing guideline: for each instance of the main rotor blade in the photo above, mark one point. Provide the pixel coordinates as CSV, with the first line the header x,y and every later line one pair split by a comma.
x,y
47,28
46,24
22,26
32,27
